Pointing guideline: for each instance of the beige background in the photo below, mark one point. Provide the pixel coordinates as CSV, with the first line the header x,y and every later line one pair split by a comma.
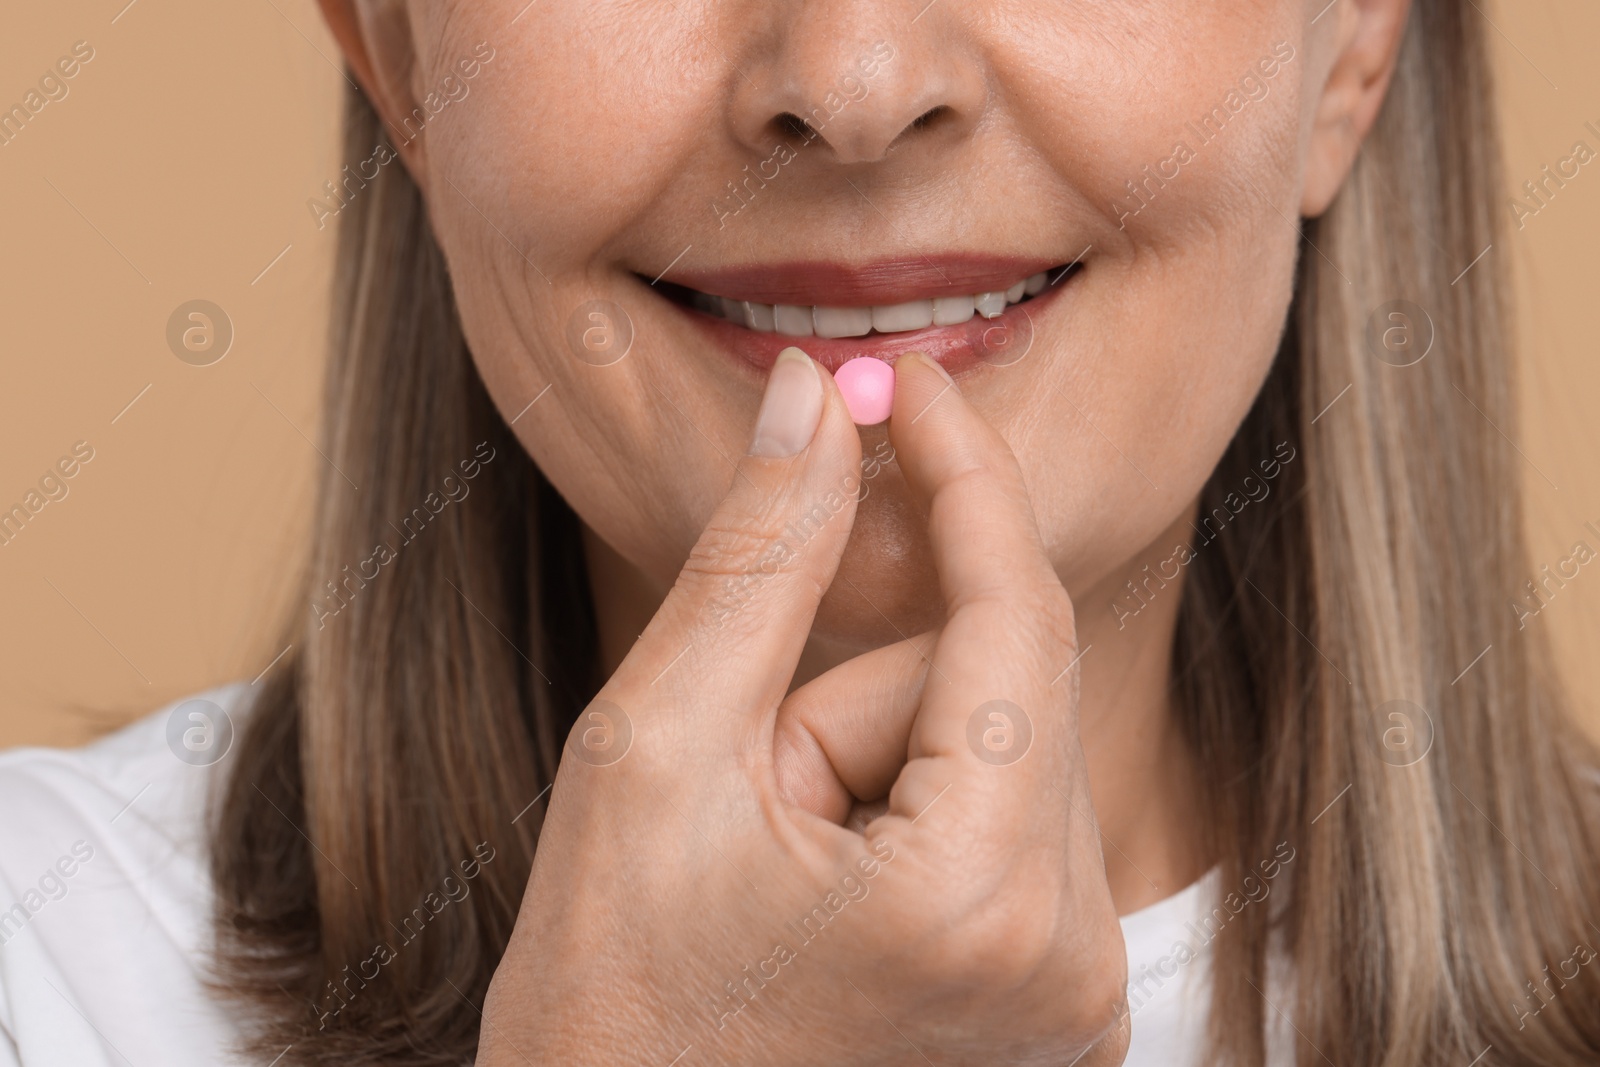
x,y
179,166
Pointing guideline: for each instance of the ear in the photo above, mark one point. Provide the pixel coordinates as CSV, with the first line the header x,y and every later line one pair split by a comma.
x,y
1366,44
375,36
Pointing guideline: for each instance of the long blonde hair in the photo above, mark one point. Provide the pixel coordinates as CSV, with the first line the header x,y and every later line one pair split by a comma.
x,y
1437,911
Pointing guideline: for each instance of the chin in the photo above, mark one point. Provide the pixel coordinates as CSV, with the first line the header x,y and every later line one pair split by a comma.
x,y
887,588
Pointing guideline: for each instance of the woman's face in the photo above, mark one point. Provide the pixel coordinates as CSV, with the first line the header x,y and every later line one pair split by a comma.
x,y
956,148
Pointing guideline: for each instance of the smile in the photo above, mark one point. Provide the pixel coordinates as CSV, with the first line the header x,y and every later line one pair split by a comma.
x,y
794,320
961,311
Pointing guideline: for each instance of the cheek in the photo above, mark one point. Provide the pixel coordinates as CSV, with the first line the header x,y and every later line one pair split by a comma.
x,y
1171,155
1152,391
585,116
1194,188
644,470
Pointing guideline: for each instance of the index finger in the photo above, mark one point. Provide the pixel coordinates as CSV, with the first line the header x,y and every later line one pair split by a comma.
x,y
991,696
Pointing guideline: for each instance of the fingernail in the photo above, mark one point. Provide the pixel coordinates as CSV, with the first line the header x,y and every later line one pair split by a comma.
x,y
791,408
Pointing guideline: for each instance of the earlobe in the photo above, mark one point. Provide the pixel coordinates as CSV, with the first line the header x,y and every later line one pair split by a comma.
x,y
375,37
1368,35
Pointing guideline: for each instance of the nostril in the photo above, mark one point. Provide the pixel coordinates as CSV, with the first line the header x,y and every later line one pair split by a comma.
x,y
795,126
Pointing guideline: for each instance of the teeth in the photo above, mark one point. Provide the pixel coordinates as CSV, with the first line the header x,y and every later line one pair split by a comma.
x,y
952,310
794,320
791,320
841,322
990,305
759,317
916,315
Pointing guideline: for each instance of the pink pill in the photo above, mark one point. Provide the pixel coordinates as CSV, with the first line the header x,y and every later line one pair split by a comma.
x,y
868,388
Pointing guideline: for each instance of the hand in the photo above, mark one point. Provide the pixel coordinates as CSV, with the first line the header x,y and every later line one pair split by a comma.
x,y
701,893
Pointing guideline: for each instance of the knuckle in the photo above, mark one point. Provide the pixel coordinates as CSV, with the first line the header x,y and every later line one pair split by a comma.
x,y
729,568
1025,945
1113,1047
758,542
997,469
997,947
601,738
1057,615
986,449
744,556
1100,1009
972,477
727,549
1039,616
1043,610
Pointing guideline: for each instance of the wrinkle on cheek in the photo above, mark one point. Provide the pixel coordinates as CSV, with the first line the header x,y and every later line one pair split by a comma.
x,y
440,34
1246,169
589,433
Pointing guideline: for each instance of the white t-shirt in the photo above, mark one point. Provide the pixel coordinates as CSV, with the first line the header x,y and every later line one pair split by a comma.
x,y
105,906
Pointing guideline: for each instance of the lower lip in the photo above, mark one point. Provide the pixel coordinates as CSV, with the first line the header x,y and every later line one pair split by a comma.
x,y
1000,341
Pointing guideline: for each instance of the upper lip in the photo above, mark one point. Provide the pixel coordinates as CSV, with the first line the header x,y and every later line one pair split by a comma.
x,y
879,282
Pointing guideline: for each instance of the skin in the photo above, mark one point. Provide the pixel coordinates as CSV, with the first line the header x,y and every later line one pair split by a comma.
x,y
568,172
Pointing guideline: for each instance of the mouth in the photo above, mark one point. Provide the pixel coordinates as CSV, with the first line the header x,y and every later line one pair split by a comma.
x,y
962,311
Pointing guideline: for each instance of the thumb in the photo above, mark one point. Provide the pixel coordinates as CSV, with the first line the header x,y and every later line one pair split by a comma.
x,y
731,630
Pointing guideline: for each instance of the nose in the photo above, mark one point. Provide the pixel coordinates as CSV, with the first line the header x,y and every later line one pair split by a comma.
x,y
860,77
